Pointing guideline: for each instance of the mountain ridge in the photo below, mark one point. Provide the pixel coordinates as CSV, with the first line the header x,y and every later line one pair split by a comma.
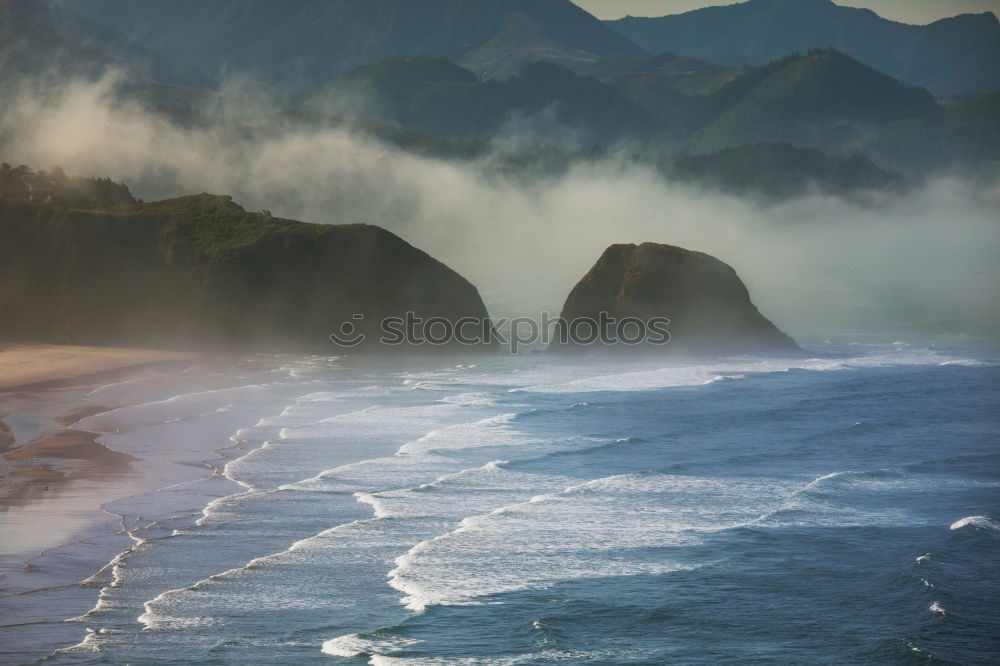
x,y
963,50
822,99
494,38
436,96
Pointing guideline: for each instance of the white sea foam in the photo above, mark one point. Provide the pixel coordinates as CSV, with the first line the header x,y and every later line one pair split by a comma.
x,y
425,456
353,645
378,473
689,374
982,522
485,432
468,491
88,644
563,535
382,654
839,499
455,526
154,616
116,569
170,410
263,583
471,399
388,422
966,363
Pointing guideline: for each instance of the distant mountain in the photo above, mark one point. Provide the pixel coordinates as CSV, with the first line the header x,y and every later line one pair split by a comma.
x,y
657,96
664,85
952,56
41,47
125,52
299,45
967,135
776,171
822,99
32,47
435,96
685,74
661,84
41,40
659,105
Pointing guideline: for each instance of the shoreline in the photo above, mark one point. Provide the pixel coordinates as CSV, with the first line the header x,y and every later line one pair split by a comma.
x,y
43,391
59,484
45,458
36,460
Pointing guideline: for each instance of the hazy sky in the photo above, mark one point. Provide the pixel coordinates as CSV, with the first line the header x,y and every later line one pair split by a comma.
x,y
908,11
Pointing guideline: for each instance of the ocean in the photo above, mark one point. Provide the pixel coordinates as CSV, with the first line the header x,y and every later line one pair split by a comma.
x,y
839,506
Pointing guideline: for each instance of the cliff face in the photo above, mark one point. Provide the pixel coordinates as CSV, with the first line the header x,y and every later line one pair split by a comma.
x,y
707,304
201,271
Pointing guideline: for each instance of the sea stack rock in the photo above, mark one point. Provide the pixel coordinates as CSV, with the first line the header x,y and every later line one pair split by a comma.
x,y
708,306
202,272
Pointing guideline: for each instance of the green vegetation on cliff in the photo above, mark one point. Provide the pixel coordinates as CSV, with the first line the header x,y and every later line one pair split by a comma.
x,y
201,271
707,304
55,187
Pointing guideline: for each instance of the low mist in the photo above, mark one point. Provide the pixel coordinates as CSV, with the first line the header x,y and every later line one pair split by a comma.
x,y
817,265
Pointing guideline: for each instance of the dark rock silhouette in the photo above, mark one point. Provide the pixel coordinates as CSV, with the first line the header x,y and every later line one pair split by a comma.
x,y
200,271
707,304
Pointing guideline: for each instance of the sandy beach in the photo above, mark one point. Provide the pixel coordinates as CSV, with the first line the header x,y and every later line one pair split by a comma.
x,y
70,468
42,389
31,365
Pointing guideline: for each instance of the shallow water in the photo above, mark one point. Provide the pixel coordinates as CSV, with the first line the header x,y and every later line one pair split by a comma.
x,y
837,507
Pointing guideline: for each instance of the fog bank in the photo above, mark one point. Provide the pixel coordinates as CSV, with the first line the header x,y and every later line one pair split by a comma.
x,y
929,259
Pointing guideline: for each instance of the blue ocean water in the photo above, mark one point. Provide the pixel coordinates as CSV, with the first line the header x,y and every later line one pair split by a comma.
x,y
838,507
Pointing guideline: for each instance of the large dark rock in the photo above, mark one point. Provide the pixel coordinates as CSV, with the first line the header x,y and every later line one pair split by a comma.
x,y
200,271
707,304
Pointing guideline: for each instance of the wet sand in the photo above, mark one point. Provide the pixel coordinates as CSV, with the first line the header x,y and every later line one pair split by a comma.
x,y
48,469
71,444
38,462
54,453
66,493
